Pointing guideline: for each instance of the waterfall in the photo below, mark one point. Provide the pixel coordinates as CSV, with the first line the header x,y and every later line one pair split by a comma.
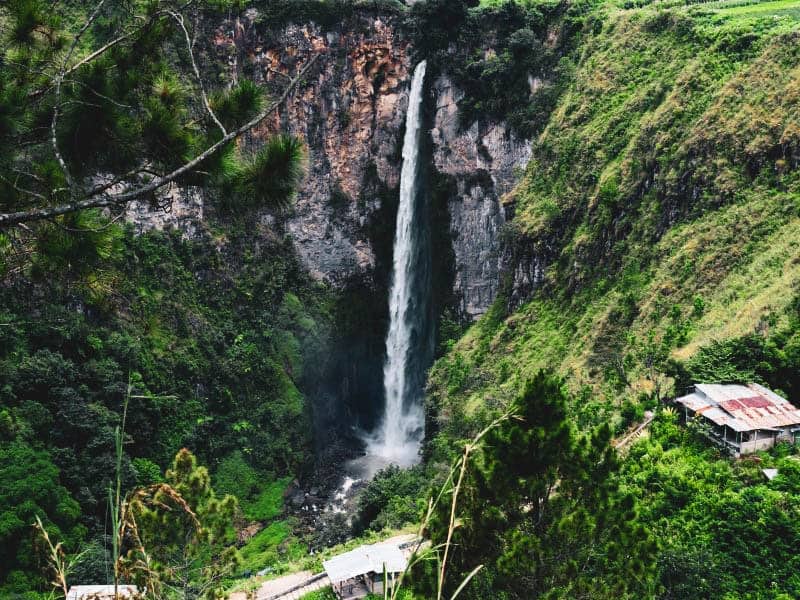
x,y
408,342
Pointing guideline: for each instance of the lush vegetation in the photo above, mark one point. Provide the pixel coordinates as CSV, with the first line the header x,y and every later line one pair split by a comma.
x,y
655,227
215,368
498,54
213,335
542,511
724,531
182,534
653,244
657,216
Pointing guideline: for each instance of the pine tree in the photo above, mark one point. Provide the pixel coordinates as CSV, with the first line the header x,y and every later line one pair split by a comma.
x,y
105,102
542,511
181,534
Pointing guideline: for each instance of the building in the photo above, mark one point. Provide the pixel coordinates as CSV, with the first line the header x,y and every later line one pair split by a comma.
x,y
361,571
101,592
742,418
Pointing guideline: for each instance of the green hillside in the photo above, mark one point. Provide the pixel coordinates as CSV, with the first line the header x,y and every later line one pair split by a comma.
x,y
663,199
178,408
660,216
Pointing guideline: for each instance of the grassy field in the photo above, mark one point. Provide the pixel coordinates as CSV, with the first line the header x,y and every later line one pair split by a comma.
x,y
731,10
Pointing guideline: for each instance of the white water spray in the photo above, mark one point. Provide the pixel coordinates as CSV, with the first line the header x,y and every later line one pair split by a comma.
x,y
408,341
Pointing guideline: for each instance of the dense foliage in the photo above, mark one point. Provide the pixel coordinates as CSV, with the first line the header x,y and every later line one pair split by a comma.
x,y
184,535
543,512
724,531
505,56
100,100
29,486
655,218
652,245
393,498
217,336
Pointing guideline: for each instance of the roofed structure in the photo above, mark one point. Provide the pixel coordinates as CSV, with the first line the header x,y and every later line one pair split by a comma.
x,y
101,592
365,565
743,418
363,560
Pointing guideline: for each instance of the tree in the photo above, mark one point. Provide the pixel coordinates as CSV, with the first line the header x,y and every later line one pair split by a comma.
x,y
390,499
102,103
543,512
181,534
30,490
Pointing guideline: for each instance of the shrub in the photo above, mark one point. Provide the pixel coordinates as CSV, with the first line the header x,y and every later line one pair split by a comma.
x,y
390,499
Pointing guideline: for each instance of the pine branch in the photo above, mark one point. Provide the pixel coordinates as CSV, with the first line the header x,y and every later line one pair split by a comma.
x,y
102,200
57,105
108,45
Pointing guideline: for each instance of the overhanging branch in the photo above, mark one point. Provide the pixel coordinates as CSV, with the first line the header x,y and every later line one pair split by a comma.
x,y
104,199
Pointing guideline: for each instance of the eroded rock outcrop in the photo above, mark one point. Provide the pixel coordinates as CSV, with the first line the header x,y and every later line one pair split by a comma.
x,y
350,114
483,159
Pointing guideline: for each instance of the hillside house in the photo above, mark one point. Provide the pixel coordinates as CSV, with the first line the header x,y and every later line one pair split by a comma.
x,y
742,419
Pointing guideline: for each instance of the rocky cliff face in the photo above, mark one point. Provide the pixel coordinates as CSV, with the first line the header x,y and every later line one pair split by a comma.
x,y
482,159
351,115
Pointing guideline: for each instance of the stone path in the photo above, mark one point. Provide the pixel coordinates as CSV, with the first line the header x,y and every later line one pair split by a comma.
x,y
627,440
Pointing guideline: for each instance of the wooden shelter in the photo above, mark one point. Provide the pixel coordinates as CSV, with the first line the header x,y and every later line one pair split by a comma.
x,y
742,419
361,571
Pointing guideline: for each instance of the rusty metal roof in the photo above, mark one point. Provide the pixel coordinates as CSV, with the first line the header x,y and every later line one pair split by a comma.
x,y
742,408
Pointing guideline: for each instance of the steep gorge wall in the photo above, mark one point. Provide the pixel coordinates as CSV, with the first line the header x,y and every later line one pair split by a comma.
x,y
655,224
351,116
350,112
483,160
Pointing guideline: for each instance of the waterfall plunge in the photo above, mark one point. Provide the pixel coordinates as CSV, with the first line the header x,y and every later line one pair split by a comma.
x,y
408,343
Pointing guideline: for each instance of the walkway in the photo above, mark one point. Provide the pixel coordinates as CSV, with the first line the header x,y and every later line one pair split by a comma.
x,y
300,589
627,440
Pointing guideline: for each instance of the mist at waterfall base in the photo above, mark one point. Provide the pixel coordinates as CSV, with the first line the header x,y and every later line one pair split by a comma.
x,y
409,343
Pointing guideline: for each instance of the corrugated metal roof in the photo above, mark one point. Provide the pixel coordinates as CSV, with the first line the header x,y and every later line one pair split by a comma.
x,y
720,417
767,393
363,560
694,402
389,555
719,392
742,408
104,592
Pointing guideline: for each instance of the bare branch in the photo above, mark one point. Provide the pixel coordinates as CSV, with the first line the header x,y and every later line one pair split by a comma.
x,y
23,190
182,25
89,21
100,200
279,73
109,224
99,52
59,81
53,137
99,95
99,189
